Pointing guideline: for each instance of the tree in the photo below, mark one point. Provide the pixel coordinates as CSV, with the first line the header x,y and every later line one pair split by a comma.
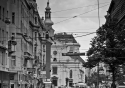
x,y
94,77
108,46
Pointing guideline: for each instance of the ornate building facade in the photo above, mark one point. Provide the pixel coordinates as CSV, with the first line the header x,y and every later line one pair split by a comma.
x,y
66,70
25,44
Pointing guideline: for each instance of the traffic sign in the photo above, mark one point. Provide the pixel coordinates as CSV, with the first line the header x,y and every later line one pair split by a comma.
x,y
73,54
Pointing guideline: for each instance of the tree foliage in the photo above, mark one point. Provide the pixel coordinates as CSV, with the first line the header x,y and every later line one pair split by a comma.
x,y
108,46
94,77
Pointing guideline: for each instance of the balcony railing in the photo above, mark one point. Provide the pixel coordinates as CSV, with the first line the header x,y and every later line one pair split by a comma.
x,y
28,56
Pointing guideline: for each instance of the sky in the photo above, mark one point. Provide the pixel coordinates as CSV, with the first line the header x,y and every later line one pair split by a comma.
x,y
77,17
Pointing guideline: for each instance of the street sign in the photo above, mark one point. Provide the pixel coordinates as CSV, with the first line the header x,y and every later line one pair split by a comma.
x,y
73,54
43,72
43,76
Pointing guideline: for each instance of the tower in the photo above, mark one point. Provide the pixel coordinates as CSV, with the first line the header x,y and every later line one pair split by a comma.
x,y
48,15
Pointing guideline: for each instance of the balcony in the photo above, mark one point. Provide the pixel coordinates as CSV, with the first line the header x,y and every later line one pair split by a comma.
x,y
35,26
2,46
14,69
3,68
28,56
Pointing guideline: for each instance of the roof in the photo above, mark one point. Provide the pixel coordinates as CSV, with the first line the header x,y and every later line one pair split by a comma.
x,y
78,58
65,37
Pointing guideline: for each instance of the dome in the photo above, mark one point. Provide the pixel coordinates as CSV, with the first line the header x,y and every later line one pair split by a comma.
x,y
48,21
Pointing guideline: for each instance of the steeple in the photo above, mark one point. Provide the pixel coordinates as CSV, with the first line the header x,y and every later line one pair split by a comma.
x,y
48,15
48,8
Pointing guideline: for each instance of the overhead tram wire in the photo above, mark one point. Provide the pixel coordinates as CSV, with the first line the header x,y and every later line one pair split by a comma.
x,y
78,7
85,34
80,17
52,36
80,14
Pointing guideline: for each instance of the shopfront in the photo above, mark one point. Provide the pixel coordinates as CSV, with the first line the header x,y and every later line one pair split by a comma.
x,y
4,79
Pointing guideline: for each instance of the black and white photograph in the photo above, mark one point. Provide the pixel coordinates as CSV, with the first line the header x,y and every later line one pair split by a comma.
x,y
62,44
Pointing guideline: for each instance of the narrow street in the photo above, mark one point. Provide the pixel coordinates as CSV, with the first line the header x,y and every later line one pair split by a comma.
x,y
62,44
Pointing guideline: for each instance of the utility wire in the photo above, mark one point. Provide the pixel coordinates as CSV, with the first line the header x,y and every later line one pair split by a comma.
x,y
77,7
53,36
72,32
85,35
80,14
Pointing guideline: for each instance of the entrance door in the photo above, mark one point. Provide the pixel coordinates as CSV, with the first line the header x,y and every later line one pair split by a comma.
x,y
11,85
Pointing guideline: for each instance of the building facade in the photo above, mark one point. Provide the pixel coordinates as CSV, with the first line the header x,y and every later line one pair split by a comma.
x,y
116,12
24,47
66,70
116,18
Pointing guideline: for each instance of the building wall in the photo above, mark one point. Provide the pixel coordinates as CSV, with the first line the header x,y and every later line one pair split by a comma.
x,y
66,63
116,10
24,64
23,31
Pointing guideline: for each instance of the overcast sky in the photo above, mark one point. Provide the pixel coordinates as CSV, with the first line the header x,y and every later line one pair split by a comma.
x,y
86,20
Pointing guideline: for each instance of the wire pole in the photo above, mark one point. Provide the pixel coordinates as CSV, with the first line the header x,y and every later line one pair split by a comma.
x,y
98,62
98,13
98,75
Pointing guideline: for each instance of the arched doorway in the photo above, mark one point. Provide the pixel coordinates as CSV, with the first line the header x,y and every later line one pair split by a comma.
x,y
55,80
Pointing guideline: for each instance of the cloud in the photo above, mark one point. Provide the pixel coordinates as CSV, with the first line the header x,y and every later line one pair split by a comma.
x,y
76,24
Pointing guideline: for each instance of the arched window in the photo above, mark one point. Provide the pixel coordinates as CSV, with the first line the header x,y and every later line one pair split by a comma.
x,y
54,59
70,74
55,52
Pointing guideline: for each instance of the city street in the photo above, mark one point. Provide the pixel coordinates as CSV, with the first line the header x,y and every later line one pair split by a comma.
x,y
62,44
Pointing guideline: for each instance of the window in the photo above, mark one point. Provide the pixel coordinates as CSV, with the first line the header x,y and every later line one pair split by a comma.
x,y
13,61
54,59
12,86
43,35
6,36
7,14
70,74
71,49
6,59
70,83
21,27
43,59
55,52
0,12
3,14
54,70
13,17
35,20
2,36
3,58
0,56
35,35
54,81
44,50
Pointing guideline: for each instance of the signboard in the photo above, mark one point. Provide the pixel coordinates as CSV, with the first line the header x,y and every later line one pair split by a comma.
x,y
43,76
42,72
47,84
73,54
